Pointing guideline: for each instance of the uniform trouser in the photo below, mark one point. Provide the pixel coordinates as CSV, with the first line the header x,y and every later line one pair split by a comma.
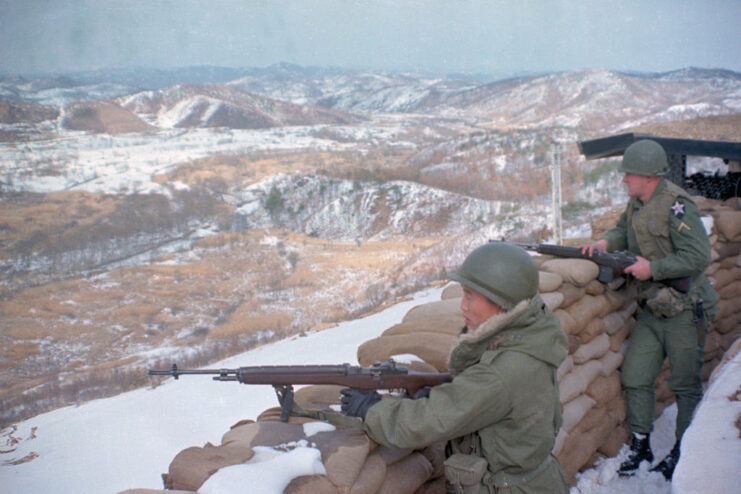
x,y
652,339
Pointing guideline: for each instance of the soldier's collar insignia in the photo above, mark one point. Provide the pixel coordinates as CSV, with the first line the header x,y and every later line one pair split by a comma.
x,y
678,209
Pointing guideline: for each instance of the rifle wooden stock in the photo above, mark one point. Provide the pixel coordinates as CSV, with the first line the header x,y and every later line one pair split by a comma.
x,y
382,375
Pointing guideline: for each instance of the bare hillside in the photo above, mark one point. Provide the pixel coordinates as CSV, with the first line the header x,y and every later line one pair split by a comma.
x,y
102,117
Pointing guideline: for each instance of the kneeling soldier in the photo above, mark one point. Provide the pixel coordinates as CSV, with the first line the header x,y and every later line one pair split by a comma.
x,y
501,412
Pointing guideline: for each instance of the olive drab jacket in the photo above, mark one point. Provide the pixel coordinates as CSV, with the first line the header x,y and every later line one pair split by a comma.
x,y
667,231
503,402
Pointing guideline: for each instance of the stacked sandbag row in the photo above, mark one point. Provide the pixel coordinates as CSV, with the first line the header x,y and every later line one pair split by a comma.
x,y
724,273
351,461
597,320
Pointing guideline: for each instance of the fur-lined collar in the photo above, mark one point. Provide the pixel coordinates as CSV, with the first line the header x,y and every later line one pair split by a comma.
x,y
494,323
529,327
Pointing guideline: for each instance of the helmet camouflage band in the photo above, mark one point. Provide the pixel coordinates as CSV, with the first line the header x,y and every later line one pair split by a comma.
x,y
645,157
504,273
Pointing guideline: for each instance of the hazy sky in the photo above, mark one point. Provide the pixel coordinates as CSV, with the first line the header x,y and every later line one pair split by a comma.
x,y
468,36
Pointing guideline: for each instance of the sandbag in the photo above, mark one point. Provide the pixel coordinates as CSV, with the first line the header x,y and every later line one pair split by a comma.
x,y
452,290
441,323
613,323
592,350
574,344
552,300
407,475
622,298
617,339
310,484
561,438
629,310
581,445
431,310
722,278
571,294
594,416
263,434
576,382
604,389
732,291
344,452
728,225
549,282
728,323
587,308
391,455
568,325
595,287
595,328
318,394
566,366
610,362
574,411
712,269
435,454
433,348
614,441
433,486
578,272
371,476
193,466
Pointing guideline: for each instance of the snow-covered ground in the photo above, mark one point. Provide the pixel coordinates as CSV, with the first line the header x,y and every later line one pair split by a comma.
x,y
127,441
126,163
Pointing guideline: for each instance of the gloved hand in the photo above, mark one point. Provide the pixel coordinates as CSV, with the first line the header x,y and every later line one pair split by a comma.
x,y
356,402
423,392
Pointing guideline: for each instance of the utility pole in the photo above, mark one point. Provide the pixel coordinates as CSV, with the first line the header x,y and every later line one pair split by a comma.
x,y
556,193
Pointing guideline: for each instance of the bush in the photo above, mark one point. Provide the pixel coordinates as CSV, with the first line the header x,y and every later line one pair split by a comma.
x,y
274,201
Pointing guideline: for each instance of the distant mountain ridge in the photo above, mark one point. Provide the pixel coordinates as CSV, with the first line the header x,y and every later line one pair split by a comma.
x,y
214,105
596,100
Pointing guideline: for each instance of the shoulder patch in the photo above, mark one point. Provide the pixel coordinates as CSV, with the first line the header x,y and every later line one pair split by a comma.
x,y
678,208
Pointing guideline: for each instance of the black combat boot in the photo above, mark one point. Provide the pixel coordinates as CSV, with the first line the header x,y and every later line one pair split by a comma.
x,y
667,465
640,450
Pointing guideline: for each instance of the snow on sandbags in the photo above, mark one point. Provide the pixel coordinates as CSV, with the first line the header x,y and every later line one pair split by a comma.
x,y
193,466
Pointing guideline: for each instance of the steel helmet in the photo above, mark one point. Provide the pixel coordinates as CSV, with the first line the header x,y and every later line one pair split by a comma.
x,y
645,157
504,273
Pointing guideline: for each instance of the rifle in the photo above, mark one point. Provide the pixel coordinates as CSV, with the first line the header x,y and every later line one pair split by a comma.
x,y
382,375
611,264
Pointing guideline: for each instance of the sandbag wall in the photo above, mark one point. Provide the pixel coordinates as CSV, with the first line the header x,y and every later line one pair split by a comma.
x,y
597,319
725,274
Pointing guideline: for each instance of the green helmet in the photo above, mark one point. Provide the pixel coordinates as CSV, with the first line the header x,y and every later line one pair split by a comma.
x,y
645,157
504,273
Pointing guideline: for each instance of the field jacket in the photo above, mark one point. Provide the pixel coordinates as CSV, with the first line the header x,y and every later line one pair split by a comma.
x,y
503,402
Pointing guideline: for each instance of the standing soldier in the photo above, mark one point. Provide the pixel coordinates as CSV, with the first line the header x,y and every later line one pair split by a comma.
x,y
500,414
661,226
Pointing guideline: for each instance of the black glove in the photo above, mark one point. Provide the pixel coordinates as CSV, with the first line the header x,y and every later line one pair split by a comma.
x,y
356,402
423,392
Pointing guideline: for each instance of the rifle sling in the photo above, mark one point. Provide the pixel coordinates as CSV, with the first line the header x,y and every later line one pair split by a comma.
x,y
285,398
